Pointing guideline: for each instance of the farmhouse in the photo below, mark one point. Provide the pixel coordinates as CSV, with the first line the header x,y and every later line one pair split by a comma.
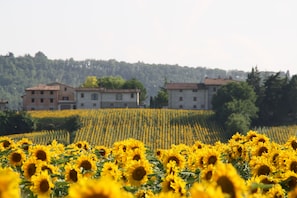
x,y
57,96
53,96
194,95
90,98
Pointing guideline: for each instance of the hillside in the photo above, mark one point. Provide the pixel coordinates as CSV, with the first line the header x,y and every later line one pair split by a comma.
x,y
18,73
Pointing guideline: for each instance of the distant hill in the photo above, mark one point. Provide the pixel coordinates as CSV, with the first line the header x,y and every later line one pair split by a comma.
x,y
18,73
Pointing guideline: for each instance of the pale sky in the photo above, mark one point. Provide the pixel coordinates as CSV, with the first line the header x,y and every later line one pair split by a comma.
x,y
224,34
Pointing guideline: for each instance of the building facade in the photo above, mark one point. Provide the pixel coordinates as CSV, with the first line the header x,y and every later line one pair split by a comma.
x,y
95,98
194,95
54,96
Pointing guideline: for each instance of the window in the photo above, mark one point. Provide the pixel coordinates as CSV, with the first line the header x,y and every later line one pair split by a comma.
x,y
194,107
94,96
111,104
194,90
51,92
65,88
81,104
214,89
202,106
94,104
132,95
194,98
41,92
65,98
32,100
51,100
180,98
180,90
119,96
41,100
180,106
82,95
32,92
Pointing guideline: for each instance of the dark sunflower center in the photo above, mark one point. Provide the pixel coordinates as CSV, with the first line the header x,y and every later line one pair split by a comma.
x,y
16,157
44,186
97,195
102,152
138,173
79,145
158,153
227,186
293,166
86,165
31,169
263,170
173,158
274,158
41,155
201,161
208,175
262,150
294,145
25,146
136,157
73,175
239,149
261,140
212,159
292,182
252,137
169,185
43,168
6,144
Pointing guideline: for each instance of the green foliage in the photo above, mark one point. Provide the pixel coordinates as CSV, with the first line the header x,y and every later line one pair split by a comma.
x,y
111,82
14,122
136,84
161,99
19,73
237,122
70,124
234,105
91,81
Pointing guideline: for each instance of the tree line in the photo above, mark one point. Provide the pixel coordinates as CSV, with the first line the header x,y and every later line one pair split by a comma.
x,y
258,101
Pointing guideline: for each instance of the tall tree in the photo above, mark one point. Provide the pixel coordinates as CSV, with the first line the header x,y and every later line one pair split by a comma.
x,y
236,98
111,82
91,81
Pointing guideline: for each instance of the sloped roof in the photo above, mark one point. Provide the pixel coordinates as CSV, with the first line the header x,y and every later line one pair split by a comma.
x,y
182,86
217,81
121,91
42,87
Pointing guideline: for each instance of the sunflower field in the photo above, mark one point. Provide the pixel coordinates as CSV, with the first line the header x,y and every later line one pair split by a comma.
x,y
248,165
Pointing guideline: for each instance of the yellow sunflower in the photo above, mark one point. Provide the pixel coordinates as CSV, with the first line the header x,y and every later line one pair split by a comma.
x,y
137,172
31,167
260,149
226,177
261,166
6,143
72,173
172,168
207,173
110,169
40,152
87,164
237,138
291,143
9,183
174,184
211,157
251,135
144,194
208,190
83,145
173,155
102,150
103,187
136,154
289,180
291,163
197,146
276,191
42,185
17,157
24,144
56,148
292,193
196,160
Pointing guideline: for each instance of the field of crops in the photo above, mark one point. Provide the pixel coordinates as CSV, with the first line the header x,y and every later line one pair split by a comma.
x,y
157,128
148,153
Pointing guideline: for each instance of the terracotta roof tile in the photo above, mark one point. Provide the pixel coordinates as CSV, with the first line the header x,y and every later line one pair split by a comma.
x,y
182,86
217,81
42,87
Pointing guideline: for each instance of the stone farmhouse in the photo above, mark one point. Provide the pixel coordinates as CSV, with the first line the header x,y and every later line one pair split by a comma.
x,y
194,95
58,96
